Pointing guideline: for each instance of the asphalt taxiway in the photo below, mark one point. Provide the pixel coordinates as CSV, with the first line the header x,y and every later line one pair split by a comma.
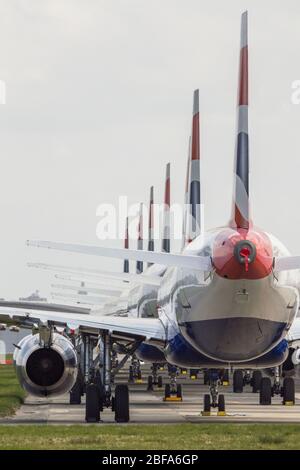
x,y
149,408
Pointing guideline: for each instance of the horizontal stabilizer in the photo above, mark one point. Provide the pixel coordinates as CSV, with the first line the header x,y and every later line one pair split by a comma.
x,y
202,263
286,263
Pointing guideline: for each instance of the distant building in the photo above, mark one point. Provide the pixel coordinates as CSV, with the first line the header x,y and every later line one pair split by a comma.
x,y
34,297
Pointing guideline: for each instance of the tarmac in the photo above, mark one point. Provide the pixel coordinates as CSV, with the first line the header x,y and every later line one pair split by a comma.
x,y
148,407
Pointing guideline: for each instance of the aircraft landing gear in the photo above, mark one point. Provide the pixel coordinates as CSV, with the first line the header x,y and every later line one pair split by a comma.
x,y
135,373
256,380
173,391
238,381
265,393
247,378
214,400
288,391
99,384
276,388
154,379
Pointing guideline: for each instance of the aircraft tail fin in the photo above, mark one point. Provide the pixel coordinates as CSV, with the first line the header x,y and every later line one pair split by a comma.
x,y
240,215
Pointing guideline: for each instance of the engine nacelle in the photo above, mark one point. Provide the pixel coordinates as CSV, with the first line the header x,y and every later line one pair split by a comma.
x,y
46,371
291,367
296,357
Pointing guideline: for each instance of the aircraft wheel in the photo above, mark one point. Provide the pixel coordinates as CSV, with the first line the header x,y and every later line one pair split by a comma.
x,y
238,381
75,393
167,391
131,377
265,395
221,403
139,375
206,403
121,404
92,404
256,380
179,391
288,391
160,381
150,382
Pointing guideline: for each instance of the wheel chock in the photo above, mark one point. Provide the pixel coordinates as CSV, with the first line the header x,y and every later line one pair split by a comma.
x,y
183,372
193,377
221,413
205,413
174,398
225,383
138,381
288,403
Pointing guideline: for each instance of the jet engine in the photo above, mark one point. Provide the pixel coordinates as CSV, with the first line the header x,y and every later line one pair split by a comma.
x,y
291,366
46,371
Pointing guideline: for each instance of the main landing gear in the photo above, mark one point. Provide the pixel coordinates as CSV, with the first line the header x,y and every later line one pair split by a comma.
x,y
155,379
135,373
241,379
98,384
173,391
286,391
214,399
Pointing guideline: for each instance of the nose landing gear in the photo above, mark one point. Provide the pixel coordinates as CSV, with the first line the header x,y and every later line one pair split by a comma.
x,y
214,400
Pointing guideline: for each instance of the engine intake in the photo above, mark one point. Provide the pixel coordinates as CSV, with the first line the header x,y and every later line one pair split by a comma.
x,y
46,371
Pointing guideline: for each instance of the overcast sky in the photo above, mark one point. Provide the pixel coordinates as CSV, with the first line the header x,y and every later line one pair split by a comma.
x,y
99,99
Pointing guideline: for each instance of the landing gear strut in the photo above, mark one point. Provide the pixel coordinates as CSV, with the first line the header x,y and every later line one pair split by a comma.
x,y
99,383
214,400
135,374
173,391
154,379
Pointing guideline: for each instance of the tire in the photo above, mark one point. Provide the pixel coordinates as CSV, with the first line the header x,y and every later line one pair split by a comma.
x,y
265,393
288,390
238,381
150,382
139,375
160,381
179,391
256,380
131,378
121,404
92,404
75,394
206,403
221,403
167,391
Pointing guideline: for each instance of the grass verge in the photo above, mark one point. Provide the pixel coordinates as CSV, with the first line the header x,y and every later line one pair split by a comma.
x,y
11,394
163,437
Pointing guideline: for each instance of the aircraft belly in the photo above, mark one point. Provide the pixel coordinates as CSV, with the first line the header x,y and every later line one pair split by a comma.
x,y
236,320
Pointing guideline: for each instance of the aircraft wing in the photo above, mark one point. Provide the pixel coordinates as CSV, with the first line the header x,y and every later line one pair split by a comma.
x,y
286,263
83,274
150,330
202,263
44,306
